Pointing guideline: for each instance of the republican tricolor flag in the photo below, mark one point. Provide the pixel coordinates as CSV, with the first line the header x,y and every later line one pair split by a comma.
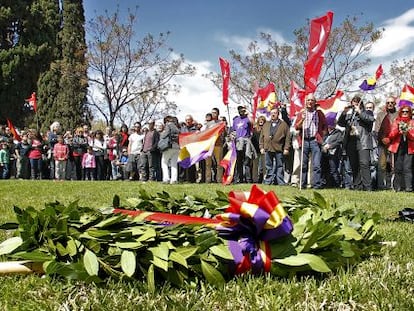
x,y
407,96
229,164
370,84
264,99
198,146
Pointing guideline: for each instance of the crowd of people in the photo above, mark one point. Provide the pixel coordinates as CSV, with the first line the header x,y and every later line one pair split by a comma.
x,y
360,148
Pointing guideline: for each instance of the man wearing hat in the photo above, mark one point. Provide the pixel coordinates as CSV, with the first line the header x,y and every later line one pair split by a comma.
x,y
242,131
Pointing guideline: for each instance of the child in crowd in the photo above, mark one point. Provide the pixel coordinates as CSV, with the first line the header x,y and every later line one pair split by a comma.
x,y
89,164
121,163
60,156
4,160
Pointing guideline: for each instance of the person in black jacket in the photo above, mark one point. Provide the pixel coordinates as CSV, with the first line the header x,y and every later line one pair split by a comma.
x,y
331,152
358,142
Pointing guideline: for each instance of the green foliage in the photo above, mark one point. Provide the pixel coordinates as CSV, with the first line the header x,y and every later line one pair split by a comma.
x,y
82,243
378,283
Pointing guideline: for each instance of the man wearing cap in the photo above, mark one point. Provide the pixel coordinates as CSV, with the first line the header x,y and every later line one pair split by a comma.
x,y
242,131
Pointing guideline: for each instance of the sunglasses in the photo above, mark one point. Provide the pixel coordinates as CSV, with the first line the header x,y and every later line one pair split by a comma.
x,y
405,111
390,102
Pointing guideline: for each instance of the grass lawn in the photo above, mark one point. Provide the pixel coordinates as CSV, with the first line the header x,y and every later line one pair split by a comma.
x,y
379,283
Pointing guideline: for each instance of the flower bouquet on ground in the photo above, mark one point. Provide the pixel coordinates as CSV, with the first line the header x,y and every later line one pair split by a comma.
x,y
182,240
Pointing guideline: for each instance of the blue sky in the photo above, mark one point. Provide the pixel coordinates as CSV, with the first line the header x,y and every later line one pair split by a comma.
x,y
204,30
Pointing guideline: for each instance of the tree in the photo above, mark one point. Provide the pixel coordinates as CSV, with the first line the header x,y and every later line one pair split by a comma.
x,y
28,31
130,78
63,88
401,73
345,58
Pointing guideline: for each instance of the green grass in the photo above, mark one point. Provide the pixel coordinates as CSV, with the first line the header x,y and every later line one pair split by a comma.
x,y
380,283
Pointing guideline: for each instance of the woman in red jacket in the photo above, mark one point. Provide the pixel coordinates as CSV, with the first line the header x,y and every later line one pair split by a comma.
x,y
401,144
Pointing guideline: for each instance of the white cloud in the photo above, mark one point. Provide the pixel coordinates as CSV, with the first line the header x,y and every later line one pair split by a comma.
x,y
198,95
241,43
397,36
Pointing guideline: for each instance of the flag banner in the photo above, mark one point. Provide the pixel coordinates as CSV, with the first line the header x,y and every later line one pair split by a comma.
x,y
225,73
332,103
13,130
370,84
320,29
407,96
195,147
229,164
32,102
297,99
265,100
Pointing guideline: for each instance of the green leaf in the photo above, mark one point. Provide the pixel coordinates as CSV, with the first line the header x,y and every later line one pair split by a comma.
x,y
129,245
116,201
148,235
110,221
315,262
350,233
128,263
36,256
187,252
320,200
178,258
151,279
71,248
160,263
8,246
221,251
91,262
61,249
212,275
160,251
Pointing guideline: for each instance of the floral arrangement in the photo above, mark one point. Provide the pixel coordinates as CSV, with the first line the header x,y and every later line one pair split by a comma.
x,y
160,238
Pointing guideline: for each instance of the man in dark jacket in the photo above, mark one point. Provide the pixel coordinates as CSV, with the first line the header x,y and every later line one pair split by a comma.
x,y
358,142
274,142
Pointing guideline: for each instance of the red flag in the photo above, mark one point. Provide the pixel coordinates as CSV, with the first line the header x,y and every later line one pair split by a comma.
x,y
32,101
225,73
297,98
318,39
13,130
326,104
379,72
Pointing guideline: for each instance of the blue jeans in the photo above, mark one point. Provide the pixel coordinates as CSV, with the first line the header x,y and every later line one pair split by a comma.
x,y
274,168
311,147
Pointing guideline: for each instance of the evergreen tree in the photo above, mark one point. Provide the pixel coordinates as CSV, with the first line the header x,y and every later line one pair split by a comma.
x,y
63,87
28,32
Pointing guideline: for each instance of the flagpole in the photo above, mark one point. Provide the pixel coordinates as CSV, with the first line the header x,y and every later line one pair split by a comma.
x,y
301,151
228,113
